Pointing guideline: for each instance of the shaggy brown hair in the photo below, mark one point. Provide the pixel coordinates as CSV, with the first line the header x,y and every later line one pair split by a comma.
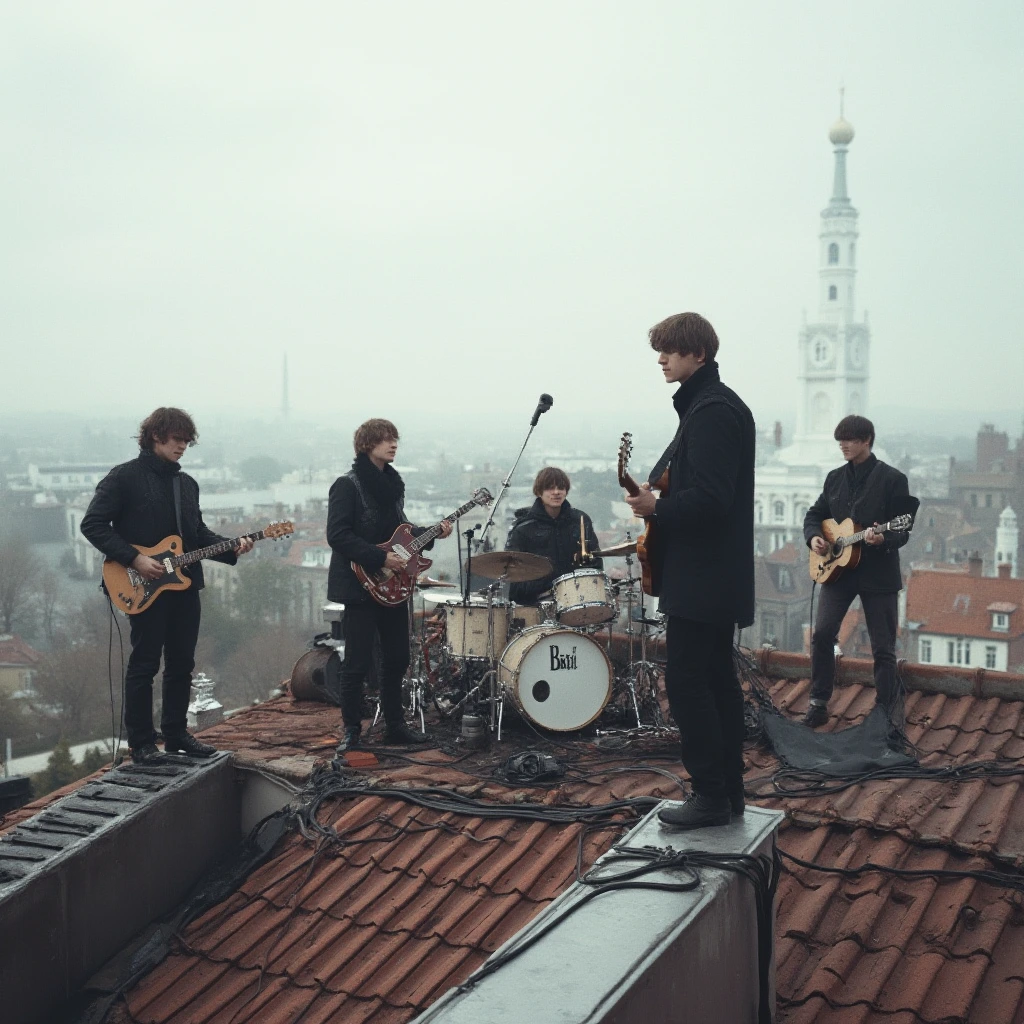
x,y
550,476
685,333
855,428
370,434
164,423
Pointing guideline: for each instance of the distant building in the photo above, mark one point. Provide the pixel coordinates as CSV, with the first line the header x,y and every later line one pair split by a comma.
x,y
782,598
964,618
18,665
995,481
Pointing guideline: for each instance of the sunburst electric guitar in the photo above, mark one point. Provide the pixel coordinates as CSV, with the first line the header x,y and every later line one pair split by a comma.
x,y
844,546
132,593
648,548
393,586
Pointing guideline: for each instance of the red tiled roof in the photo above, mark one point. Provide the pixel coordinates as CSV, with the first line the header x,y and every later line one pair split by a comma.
x,y
14,651
957,604
788,554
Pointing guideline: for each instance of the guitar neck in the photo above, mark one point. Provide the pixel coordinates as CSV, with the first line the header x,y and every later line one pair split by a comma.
x,y
856,538
629,484
214,549
434,532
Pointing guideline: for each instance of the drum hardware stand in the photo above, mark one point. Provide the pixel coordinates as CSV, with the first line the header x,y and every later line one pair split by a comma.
x,y
469,534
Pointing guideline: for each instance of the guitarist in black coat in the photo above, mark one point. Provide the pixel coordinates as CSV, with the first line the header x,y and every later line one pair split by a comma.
x,y
365,507
705,530
134,504
866,491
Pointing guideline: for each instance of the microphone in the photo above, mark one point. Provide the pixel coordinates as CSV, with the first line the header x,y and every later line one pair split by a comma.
x,y
545,403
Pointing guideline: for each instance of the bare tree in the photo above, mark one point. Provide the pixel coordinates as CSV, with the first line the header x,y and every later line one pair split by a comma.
x,y
19,571
47,600
259,665
73,688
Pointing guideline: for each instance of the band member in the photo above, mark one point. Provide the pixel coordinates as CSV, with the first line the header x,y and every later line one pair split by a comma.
x,y
135,504
550,527
867,491
705,524
365,508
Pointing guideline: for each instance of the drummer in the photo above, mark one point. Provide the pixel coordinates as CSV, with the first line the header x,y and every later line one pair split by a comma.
x,y
550,527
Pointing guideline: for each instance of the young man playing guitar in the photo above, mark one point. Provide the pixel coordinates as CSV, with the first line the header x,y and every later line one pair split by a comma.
x,y
866,491
139,503
705,526
365,508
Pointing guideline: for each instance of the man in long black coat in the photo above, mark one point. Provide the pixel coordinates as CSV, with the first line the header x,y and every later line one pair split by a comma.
x,y
705,525
867,491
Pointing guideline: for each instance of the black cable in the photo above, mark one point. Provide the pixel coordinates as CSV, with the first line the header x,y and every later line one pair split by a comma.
x,y
115,756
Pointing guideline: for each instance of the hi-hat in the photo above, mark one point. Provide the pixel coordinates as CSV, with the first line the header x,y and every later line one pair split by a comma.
x,y
514,566
625,548
429,581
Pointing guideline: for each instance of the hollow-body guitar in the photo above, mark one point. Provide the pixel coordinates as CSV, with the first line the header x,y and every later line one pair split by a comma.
x,y
844,546
132,593
394,586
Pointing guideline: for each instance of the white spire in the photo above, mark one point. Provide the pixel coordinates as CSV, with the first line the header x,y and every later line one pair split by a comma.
x,y
1006,541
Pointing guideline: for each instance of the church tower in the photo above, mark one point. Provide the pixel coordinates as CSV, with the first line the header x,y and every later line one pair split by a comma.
x,y
834,349
1006,541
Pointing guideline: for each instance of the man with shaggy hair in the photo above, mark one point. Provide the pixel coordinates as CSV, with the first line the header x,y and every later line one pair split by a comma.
x,y
142,502
365,508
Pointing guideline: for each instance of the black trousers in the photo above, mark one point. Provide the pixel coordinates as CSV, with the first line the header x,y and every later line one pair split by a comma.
x,y
882,619
359,624
169,627
707,703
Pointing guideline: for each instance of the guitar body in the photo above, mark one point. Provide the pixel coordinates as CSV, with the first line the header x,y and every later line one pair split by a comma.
x,y
132,593
388,586
828,568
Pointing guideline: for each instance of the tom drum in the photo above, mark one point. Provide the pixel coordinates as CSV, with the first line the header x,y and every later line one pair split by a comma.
x,y
584,598
477,630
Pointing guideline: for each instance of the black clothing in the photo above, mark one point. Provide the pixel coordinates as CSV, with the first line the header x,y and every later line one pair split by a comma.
x,y
707,703
871,492
168,627
557,538
134,504
882,618
359,623
706,518
365,507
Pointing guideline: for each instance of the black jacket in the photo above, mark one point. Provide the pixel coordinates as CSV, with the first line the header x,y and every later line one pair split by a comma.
x,y
363,510
706,518
557,539
872,492
134,504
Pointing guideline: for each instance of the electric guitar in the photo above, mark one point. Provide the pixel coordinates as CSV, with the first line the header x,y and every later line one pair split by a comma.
x,y
392,587
648,544
132,593
844,540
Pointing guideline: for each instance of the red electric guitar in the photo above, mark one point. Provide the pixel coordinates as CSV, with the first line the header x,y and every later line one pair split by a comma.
x,y
648,548
393,587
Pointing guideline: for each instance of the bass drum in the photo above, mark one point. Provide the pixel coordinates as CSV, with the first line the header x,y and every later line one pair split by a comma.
x,y
317,674
558,678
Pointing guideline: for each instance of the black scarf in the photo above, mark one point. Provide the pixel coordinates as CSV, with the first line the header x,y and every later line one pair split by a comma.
x,y
384,486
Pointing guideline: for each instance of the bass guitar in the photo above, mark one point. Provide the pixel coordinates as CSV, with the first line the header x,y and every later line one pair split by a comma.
x,y
132,593
648,544
844,540
394,586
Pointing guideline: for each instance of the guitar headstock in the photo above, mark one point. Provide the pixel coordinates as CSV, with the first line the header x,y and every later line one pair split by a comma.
x,y
482,496
276,530
625,451
904,522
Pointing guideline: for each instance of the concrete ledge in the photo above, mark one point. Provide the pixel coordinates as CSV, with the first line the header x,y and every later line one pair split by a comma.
x,y
84,876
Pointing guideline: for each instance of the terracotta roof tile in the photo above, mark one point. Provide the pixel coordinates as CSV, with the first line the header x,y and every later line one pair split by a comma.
x,y
958,604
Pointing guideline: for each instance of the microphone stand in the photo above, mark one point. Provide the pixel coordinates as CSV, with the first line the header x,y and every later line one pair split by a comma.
x,y
504,485
469,561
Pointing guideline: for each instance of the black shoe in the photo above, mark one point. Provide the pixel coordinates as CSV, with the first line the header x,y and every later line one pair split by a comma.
x,y
697,812
186,743
815,715
148,753
401,733
350,741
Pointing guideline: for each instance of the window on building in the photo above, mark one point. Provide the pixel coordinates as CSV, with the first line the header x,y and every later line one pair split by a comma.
x,y
785,580
988,501
950,652
779,512
925,652
974,501
853,251
832,293
928,548
759,512
990,656
769,629
959,651
931,521
1000,622
833,253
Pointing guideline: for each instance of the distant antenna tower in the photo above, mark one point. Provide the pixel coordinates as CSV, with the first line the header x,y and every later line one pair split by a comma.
x,y
284,387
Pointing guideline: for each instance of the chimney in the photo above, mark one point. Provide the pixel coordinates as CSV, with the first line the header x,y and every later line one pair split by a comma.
x,y
778,433
1003,570
974,564
205,710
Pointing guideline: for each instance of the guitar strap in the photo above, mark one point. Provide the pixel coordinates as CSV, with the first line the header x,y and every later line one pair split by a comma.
x,y
176,487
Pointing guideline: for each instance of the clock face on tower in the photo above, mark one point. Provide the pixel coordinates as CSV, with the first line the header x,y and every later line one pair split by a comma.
x,y
821,350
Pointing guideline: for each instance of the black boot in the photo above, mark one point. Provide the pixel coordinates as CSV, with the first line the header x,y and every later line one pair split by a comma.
x,y
401,733
815,715
186,743
350,741
737,803
146,753
697,812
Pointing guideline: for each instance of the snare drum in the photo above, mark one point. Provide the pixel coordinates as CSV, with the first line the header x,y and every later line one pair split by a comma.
x,y
477,630
584,598
558,678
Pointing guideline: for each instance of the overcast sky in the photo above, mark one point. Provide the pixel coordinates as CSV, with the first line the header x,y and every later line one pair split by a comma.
x,y
431,204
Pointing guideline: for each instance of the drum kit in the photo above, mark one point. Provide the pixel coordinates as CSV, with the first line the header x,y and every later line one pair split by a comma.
x,y
547,661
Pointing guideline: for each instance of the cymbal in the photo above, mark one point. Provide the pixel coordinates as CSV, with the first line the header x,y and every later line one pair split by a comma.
x,y
625,548
429,581
515,566
438,596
